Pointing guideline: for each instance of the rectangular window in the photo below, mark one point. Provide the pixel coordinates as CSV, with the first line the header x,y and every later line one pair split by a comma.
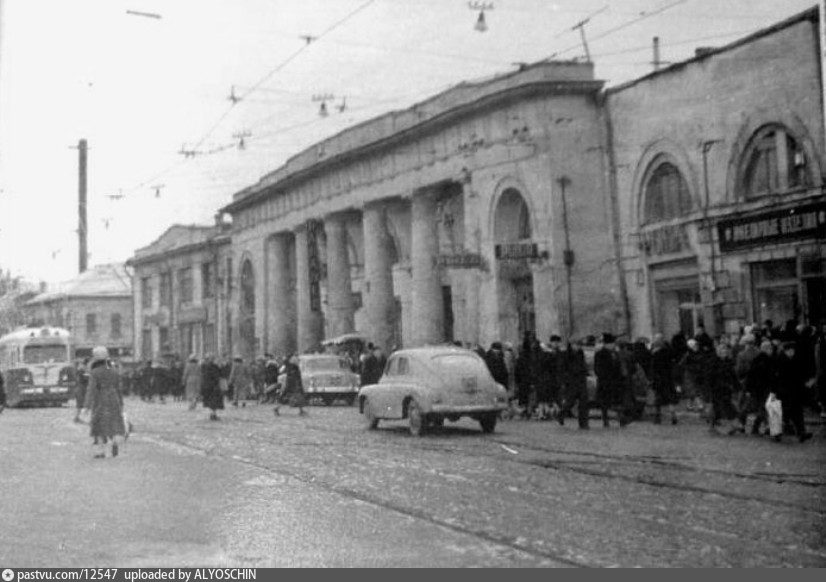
x,y
146,292
164,339
185,285
91,324
146,344
115,330
206,281
166,289
186,333
209,338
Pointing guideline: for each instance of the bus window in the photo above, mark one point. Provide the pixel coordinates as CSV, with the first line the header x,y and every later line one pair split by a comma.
x,y
41,354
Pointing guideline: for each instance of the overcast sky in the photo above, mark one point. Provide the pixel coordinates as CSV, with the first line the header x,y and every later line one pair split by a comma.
x,y
139,89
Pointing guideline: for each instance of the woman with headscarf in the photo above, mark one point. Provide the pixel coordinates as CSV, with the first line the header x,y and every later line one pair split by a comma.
x,y
293,391
191,381
211,394
105,403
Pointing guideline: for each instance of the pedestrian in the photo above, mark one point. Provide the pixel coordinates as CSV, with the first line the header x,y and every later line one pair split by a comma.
x,y
81,384
495,361
610,389
270,379
370,366
293,392
758,371
524,377
104,402
662,379
211,394
791,389
694,368
145,381
575,385
240,381
175,380
191,381
722,386
510,365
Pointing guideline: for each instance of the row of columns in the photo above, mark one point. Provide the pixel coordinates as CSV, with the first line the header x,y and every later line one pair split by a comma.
x,y
294,324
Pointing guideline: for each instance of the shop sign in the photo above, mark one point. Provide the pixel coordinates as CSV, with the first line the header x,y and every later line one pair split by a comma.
x,y
461,260
807,221
665,240
516,251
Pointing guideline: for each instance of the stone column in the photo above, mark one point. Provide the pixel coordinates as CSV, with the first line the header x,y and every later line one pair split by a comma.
x,y
281,301
310,322
339,290
378,277
428,310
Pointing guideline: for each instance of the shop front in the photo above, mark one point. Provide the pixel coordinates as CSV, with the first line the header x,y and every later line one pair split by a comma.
x,y
782,255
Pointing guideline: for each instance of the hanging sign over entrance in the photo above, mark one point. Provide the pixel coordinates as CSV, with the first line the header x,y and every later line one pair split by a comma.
x,y
770,227
668,239
512,251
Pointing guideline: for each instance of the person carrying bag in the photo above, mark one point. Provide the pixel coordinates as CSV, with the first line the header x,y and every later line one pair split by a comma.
x,y
774,408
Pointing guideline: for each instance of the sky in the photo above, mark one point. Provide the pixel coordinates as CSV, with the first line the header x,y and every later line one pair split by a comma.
x,y
140,89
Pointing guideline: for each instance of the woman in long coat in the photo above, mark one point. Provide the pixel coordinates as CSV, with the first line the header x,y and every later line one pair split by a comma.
x,y
211,394
104,400
192,381
293,392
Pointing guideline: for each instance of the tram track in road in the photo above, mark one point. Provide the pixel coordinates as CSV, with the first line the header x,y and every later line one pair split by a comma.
x,y
510,542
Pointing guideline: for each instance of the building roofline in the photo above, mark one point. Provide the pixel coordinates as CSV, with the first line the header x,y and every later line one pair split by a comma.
x,y
808,14
537,85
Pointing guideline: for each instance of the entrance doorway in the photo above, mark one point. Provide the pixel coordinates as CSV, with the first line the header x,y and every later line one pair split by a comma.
x,y
678,307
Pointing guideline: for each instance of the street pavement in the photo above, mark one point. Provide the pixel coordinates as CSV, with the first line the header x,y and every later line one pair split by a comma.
x,y
253,489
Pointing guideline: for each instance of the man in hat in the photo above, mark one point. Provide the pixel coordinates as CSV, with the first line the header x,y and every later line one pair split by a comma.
x,y
575,390
495,361
791,383
609,379
105,404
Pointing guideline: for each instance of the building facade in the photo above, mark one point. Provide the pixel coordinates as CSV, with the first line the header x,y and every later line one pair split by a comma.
x,y
719,170
96,307
181,285
478,215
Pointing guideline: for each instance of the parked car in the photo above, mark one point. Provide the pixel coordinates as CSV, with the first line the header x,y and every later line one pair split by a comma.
x,y
428,385
326,377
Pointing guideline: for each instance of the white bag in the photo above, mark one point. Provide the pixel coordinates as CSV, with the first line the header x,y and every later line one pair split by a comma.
x,y
775,410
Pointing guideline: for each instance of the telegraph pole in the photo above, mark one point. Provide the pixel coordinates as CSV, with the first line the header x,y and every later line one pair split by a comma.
x,y
81,206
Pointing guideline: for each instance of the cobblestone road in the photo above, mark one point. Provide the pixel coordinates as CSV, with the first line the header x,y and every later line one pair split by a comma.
x,y
533,493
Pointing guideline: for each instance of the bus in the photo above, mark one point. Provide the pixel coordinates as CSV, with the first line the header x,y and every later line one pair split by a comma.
x,y
37,367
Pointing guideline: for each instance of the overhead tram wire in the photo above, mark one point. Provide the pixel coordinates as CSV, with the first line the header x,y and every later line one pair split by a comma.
x,y
610,31
280,66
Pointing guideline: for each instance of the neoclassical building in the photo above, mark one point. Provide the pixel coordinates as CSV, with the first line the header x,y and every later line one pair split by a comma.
x,y
720,166
541,201
476,215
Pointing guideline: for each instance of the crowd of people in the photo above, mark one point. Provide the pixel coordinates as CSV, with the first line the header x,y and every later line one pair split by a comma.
x,y
727,380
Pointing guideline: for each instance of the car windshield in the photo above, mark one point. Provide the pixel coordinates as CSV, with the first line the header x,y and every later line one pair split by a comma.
x,y
324,365
45,354
461,364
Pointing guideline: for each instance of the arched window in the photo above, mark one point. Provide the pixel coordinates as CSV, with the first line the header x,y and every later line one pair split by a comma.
x,y
774,162
666,194
513,218
247,288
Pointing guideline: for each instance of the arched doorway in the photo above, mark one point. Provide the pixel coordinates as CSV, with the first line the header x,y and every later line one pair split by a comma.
x,y
246,320
512,234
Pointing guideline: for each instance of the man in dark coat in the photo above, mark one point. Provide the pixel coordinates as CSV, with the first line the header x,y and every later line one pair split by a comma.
x,y
369,366
791,389
81,384
662,379
211,394
495,360
575,385
759,381
610,388
105,403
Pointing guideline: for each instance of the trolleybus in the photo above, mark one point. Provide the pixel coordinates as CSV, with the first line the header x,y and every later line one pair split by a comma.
x,y
36,363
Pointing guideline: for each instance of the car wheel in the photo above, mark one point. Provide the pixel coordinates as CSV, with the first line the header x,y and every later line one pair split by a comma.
x,y
370,419
418,422
488,423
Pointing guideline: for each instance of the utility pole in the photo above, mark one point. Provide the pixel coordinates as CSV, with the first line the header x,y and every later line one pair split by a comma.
x,y
81,206
581,26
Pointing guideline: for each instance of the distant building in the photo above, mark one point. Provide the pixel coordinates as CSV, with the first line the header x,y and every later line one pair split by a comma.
x,y
96,307
720,164
181,285
14,293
